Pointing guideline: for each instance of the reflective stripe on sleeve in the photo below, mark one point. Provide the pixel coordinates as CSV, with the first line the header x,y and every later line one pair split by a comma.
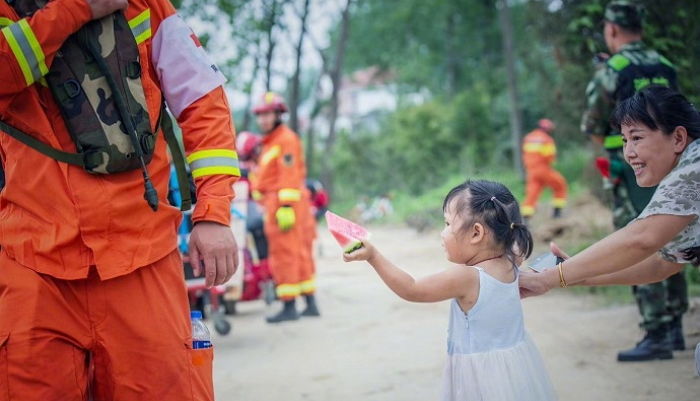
x,y
270,155
213,162
613,142
545,149
289,195
26,50
141,26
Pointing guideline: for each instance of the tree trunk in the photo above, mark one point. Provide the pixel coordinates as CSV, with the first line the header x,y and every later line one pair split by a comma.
x,y
509,56
294,96
271,21
245,125
316,109
451,57
336,75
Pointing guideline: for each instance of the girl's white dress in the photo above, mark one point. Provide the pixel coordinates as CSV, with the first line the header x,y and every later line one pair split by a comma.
x,y
490,357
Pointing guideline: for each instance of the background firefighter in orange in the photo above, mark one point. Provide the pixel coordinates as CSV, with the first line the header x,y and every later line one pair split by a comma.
x,y
539,152
280,186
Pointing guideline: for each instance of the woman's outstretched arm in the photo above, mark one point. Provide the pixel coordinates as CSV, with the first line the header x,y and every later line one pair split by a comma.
x,y
651,270
622,249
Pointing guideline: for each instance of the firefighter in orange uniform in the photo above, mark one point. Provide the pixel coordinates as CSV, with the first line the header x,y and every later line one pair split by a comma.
x,y
539,152
93,304
280,187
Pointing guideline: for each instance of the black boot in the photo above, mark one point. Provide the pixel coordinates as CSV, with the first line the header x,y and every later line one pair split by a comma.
x,y
556,213
288,312
654,345
676,334
311,308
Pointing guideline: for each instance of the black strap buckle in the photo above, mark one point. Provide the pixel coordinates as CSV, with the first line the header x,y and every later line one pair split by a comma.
x,y
72,88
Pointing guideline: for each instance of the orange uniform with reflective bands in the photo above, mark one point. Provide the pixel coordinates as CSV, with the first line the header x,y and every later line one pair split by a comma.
x,y
61,224
280,181
539,152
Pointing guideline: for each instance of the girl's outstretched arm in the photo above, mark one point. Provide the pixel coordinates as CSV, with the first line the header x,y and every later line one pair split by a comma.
x,y
452,283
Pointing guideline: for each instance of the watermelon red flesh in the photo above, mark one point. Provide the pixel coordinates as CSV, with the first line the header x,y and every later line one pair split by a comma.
x,y
348,234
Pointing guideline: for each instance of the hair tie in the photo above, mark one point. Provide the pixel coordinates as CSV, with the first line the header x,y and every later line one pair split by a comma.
x,y
512,226
493,199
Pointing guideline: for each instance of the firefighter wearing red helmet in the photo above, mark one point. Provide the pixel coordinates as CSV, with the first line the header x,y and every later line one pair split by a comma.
x,y
280,187
539,153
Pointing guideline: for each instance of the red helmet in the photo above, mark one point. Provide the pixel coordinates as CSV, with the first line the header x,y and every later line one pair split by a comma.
x,y
546,124
246,142
270,102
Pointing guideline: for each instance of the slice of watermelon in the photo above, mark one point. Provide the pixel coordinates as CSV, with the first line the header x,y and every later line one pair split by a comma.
x,y
348,234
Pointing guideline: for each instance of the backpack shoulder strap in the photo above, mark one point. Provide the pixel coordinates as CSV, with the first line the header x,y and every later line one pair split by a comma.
x,y
183,182
66,157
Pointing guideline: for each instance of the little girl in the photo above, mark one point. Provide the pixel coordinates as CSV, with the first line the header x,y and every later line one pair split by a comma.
x,y
490,357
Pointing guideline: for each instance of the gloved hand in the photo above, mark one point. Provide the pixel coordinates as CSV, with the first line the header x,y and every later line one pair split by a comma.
x,y
285,218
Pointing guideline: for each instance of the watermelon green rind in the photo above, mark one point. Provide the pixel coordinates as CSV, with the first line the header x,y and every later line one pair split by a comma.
x,y
353,247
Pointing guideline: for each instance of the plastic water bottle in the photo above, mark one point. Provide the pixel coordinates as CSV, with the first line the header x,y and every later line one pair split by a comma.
x,y
200,333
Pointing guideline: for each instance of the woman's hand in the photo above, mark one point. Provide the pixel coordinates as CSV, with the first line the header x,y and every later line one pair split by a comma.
x,y
366,252
532,284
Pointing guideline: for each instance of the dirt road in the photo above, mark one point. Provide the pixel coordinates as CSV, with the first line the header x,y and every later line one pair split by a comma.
x,y
369,345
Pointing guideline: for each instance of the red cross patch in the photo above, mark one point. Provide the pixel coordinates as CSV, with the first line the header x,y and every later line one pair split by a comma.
x,y
196,41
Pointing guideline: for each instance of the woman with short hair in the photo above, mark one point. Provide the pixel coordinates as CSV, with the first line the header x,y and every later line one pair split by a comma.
x,y
660,130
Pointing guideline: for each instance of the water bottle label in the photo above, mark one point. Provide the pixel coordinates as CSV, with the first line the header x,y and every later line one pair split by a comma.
x,y
201,344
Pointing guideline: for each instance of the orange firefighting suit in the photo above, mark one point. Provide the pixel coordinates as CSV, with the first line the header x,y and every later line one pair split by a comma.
x,y
539,152
89,275
280,181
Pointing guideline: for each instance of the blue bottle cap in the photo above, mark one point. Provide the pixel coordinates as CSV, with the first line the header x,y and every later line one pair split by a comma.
x,y
196,314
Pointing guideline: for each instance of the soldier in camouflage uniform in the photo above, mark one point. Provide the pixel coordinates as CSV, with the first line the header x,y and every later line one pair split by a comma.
x,y
632,67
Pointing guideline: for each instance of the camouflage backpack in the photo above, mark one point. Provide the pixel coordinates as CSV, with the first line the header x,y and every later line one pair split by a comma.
x,y
95,79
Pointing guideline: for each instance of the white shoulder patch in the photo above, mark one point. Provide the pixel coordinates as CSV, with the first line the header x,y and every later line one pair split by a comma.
x,y
184,68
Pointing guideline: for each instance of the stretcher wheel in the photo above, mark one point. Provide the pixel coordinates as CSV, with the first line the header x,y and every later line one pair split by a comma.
x,y
222,327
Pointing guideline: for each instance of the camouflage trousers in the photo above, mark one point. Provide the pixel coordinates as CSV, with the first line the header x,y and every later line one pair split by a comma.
x,y
658,303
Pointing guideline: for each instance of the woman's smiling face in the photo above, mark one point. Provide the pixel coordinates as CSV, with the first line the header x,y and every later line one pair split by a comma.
x,y
651,153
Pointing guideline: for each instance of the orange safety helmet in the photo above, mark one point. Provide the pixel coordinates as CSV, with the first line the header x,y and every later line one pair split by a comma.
x,y
270,101
246,142
546,124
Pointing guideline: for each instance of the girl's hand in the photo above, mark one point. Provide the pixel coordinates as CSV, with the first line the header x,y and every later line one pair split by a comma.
x,y
532,284
365,253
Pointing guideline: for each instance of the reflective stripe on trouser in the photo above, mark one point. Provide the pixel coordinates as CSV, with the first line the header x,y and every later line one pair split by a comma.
x,y
26,50
213,162
46,349
559,202
308,286
527,211
537,180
